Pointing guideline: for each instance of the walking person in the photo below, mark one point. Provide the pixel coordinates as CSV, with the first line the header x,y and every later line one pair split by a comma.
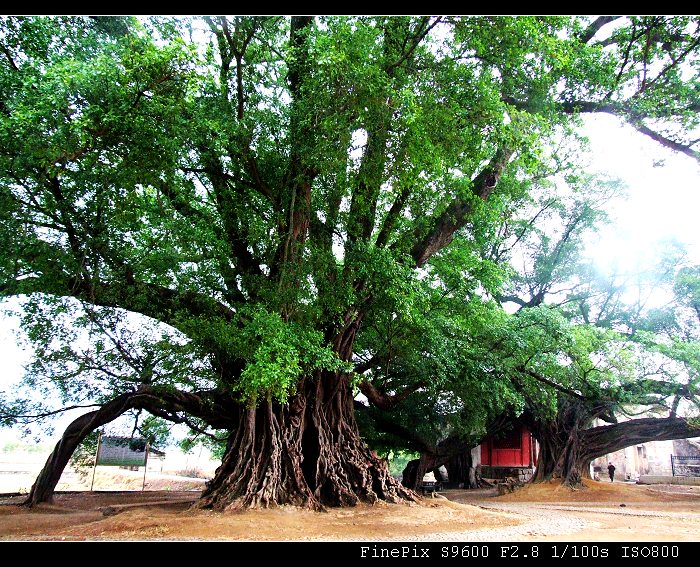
x,y
611,472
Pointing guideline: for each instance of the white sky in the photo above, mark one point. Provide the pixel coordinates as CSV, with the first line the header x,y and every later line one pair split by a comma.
x,y
662,203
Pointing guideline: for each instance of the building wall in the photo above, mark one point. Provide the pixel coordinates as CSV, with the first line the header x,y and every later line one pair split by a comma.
x,y
653,458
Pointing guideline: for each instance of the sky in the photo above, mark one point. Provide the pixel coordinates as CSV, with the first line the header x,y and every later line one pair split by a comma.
x,y
662,202
663,194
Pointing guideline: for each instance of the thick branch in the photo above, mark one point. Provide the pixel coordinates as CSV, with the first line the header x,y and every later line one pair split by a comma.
x,y
383,423
298,29
164,403
458,212
75,433
511,298
9,58
227,207
540,378
665,141
382,400
392,216
633,118
161,303
363,206
301,171
599,441
595,26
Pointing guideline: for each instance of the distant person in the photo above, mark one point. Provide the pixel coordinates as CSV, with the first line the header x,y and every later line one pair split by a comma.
x,y
611,472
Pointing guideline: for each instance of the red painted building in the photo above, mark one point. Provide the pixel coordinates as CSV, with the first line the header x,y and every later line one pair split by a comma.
x,y
515,448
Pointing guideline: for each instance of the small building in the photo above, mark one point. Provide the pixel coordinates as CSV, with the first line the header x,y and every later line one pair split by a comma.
x,y
509,454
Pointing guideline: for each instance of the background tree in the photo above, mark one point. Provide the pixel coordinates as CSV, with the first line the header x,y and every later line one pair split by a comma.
x,y
574,354
626,362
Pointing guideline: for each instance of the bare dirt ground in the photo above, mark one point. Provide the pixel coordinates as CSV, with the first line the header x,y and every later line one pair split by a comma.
x,y
603,511
534,513
167,515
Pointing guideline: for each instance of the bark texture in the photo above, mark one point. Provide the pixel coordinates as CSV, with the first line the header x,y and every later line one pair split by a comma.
x,y
308,453
454,453
461,470
560,444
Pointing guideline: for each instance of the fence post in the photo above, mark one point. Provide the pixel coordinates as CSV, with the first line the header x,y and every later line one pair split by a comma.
x,y
97,456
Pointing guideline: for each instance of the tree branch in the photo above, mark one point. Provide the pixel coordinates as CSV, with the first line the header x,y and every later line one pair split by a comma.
x,y
595,26
38,416
392,216
382,400
385,424
665,141
423,31
554,385
599,441
458,212
631,117
8,56
155,301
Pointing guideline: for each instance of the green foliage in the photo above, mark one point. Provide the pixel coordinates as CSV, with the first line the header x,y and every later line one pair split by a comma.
x,y
155,430
687,287
277,355
398,461
211,205
216,444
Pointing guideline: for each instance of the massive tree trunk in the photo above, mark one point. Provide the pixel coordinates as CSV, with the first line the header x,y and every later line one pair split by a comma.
x,y
307,453
45,484
461,470
561,455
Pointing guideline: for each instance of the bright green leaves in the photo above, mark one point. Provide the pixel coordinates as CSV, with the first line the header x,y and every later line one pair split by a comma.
x,y
523,54
116,104
155,430
92,122
273,367
277,355
660,65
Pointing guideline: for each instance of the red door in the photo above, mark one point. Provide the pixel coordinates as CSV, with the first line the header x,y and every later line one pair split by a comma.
x,y
512,449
